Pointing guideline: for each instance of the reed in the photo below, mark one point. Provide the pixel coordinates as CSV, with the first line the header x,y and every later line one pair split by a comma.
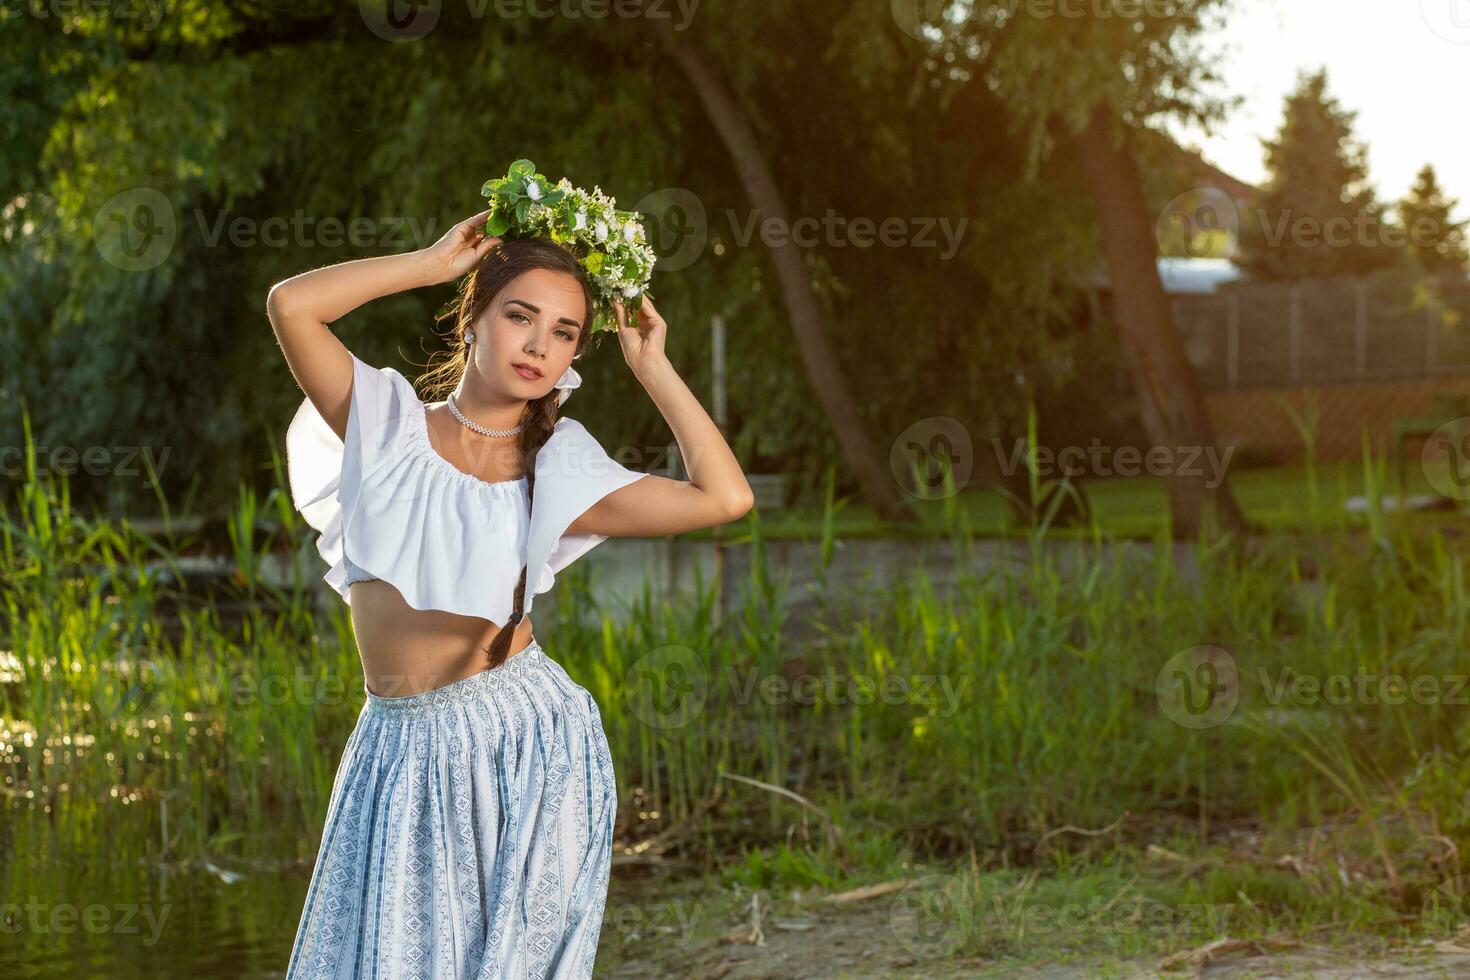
x,y
973,711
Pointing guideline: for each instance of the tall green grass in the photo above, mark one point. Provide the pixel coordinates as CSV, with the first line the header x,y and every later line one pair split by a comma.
x,y
1022,690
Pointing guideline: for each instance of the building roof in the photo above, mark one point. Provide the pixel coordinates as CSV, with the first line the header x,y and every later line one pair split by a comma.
x,y
1185,277
1195,277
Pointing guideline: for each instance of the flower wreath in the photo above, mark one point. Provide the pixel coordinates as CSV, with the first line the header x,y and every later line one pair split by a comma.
x,y
610,244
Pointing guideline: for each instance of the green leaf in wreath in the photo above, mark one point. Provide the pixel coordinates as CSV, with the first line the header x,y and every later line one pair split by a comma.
x,y
497,225
522,168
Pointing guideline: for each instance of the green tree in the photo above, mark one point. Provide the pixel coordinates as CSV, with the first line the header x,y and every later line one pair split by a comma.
x,y
258,116
1436,240
1083,89
253,140
923,328
729,119
1316,216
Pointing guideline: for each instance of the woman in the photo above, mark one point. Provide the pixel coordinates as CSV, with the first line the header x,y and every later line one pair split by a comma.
x,y
469,831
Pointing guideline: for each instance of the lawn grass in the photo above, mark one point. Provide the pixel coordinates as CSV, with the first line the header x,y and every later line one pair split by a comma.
x,y
1275,498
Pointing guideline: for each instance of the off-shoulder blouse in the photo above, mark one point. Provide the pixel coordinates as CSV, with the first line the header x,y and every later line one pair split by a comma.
x,y
444,538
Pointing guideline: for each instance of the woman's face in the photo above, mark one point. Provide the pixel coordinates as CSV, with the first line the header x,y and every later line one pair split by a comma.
x,y
525,338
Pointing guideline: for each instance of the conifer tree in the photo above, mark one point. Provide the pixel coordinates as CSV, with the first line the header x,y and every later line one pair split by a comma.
x,y
1316,216
1436,240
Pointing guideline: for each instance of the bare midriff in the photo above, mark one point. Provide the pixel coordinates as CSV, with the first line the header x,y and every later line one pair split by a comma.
x,y
408,651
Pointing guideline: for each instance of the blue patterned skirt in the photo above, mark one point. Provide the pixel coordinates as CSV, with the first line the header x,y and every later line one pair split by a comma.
x,y
469,834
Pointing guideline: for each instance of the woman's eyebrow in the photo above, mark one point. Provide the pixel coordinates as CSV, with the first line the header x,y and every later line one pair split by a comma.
x,y
536,309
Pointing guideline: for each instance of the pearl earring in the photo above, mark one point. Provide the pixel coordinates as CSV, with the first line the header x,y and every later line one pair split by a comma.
x,y
469,336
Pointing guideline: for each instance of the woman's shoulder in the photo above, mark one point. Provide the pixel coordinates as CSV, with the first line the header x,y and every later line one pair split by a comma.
x,y
386,382
572,451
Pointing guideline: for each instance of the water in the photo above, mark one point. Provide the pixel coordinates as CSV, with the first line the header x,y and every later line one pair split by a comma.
x,y
85,897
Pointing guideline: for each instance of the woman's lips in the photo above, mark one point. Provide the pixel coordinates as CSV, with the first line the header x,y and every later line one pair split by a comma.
x,y
527,372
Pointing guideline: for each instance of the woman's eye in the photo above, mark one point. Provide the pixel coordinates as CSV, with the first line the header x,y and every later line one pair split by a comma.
x,y
564,334
520,316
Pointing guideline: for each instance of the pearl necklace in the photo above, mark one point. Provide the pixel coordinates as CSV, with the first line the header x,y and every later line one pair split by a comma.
x,y
496,433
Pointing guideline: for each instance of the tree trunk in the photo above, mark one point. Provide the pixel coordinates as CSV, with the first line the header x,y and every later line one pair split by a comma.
x,y
876,484
1172,406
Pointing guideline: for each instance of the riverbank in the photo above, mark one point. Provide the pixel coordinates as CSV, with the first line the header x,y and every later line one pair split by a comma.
x,y
1273,730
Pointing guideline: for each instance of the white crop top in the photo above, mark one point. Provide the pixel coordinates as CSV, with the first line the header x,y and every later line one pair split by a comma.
x,y
444,538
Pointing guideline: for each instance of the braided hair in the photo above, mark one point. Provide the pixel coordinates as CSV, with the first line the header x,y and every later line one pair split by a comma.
x,y
477,291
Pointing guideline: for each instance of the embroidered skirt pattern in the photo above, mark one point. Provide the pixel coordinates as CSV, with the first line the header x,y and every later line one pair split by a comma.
x,y
469,834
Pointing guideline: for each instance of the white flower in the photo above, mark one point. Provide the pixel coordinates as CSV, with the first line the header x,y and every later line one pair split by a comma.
x,y
630,291
630,231
533,190
581,220
600,231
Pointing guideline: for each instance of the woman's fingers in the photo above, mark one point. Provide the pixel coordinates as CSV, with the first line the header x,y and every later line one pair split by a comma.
x,y
650,316
476,225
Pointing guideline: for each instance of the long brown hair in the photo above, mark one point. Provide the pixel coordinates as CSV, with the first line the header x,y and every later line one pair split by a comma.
x,y
500,266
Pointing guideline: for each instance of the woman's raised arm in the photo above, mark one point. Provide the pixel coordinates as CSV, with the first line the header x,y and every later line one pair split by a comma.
x,y
716,491
300,308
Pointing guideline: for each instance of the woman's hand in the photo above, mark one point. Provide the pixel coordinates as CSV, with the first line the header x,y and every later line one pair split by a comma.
x,y
460,250
643,346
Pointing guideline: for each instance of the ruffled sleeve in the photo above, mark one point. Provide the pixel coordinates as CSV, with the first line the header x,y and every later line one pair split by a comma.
x,y
326,474
573,472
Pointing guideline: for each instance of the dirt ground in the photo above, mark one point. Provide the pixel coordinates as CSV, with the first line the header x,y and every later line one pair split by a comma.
x,y
680,933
